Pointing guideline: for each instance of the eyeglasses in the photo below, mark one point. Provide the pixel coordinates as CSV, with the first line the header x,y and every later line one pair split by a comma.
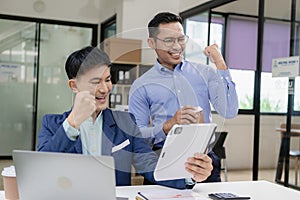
x,y
171,41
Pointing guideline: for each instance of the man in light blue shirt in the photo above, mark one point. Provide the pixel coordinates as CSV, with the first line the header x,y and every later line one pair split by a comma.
x,y
170,91
162,94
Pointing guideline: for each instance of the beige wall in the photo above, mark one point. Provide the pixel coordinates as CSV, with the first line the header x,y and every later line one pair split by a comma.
x,y
135,18
188,4
68,10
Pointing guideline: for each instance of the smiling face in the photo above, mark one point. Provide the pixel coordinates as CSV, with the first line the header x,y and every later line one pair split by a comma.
x,y
97,81
168,56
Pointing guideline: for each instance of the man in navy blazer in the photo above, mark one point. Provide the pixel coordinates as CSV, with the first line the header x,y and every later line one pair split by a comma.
x,y
93,129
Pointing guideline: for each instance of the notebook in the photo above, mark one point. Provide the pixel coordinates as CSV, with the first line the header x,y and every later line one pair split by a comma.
x,y
48,176
182,142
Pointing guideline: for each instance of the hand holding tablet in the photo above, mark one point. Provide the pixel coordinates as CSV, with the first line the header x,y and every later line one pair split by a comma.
x,y
182,142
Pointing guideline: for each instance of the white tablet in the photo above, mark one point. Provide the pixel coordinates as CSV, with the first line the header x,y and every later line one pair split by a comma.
x,y
182,142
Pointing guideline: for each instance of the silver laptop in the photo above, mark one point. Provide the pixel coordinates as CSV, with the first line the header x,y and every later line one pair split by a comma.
x,y
61,176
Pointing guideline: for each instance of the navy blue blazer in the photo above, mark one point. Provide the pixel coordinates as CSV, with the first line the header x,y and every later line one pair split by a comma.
x,y
117,128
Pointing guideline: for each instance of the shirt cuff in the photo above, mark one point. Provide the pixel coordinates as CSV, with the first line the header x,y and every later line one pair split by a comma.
x,y
159,137
189,183
225,74
72,133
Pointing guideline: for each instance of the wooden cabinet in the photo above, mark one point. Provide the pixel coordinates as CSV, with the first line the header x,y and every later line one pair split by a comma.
x,y
122,50
125,55
123,76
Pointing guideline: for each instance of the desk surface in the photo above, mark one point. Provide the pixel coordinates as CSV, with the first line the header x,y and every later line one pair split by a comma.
x,y
257,190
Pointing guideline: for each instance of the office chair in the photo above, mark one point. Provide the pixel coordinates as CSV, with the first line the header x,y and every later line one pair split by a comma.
x,y
219,150
294,154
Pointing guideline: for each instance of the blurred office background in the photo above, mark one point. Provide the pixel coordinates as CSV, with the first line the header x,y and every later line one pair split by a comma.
x,y
36,36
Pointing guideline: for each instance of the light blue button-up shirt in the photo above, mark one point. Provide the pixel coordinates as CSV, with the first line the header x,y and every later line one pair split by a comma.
x,y
160,92
90,134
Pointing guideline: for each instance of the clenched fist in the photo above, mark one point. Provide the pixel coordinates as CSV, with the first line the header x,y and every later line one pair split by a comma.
x,y
185,115
84,107
215,56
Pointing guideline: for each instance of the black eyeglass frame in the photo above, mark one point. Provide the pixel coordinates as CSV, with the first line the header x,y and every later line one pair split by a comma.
x,y
170,41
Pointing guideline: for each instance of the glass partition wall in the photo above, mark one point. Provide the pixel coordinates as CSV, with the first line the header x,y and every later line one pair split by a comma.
x,y
280,40
248,48
235,31
54,94
17,56
32,75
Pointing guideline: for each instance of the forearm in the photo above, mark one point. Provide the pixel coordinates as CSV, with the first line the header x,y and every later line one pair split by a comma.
x,y
153,134
231,95
223,95
167,126
57,141
221,65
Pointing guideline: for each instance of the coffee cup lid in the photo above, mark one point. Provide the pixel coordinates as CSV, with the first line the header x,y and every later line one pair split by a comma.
x,y
9,171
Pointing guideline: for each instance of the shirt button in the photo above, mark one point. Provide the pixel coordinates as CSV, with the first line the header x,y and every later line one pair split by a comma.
x,y
178,91
175,76
222,78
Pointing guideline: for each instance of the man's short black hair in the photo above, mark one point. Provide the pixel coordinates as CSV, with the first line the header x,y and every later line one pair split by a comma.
x,y
85,59
161,18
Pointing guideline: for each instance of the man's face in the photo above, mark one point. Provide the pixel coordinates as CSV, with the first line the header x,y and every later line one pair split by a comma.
x,y
98,82
169,53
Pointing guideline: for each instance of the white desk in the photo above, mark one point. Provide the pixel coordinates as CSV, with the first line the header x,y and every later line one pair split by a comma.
x,y
257,190
1,195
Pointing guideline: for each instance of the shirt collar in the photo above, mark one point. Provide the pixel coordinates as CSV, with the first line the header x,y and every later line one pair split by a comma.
x,y
166,70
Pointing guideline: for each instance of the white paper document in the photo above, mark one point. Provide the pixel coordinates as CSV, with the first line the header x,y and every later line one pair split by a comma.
x,y
169,194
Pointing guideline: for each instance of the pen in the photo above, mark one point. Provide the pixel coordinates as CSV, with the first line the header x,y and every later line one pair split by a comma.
x,y
145,198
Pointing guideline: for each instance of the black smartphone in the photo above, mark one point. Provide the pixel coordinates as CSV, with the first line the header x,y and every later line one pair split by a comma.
x,y
226,196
